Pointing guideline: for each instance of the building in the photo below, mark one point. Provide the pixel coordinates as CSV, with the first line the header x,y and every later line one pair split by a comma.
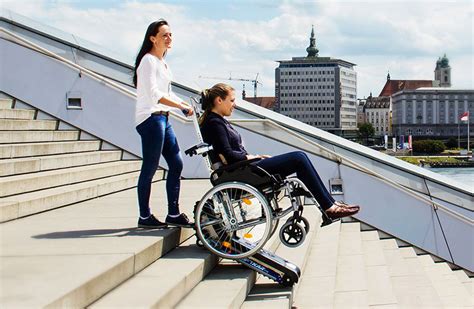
x,y
443,72
319,91
395,85
377,112
360,111
267,102
432,112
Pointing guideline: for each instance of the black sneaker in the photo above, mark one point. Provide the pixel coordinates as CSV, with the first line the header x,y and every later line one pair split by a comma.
x,y
151,223
181,220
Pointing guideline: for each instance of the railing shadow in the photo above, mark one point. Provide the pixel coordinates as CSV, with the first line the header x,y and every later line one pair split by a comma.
x,y
119,232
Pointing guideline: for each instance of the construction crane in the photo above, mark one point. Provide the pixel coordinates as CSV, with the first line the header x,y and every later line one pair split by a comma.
x,y
255,81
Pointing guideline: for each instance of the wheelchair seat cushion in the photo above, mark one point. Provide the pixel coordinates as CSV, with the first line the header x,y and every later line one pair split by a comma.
x,y
245,172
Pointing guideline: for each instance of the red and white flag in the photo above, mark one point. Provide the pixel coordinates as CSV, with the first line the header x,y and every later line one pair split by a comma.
x,y
465,116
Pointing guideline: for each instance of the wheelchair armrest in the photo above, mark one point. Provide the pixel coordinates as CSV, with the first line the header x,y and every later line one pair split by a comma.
x,y
199,149
234,166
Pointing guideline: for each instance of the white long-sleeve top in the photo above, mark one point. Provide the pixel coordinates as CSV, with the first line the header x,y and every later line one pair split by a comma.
x,y
153,82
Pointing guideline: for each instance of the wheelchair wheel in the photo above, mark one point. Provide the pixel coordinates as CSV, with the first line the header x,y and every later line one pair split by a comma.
x,y
292,234
233,220
303,222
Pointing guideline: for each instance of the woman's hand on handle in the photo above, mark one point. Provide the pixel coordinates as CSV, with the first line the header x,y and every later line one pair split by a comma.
x,y
186,109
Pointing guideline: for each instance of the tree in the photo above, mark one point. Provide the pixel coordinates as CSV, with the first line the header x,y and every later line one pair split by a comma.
x,y
366,130
452,143
428,147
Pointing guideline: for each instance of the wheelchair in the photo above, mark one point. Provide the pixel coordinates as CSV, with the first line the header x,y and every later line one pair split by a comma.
x,y
241,212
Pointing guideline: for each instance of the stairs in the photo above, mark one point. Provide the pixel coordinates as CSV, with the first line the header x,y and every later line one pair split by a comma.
x,y
43,168
365,270
90,253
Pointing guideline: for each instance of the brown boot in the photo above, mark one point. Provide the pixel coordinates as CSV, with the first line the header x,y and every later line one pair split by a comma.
x,y
344,204
336,212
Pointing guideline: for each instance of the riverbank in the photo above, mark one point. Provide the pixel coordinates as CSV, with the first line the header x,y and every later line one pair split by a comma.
x,y
439,161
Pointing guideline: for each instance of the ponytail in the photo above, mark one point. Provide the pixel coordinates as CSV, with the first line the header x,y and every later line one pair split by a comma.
x,y
208,97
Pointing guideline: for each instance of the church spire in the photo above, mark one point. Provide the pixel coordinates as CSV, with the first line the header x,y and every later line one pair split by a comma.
x,y
312,50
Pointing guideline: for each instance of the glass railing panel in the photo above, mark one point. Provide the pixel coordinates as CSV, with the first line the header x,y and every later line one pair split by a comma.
x,y
104,67
51,45
392,173
275,132
36,26
467,213
239,114
101,50
450,195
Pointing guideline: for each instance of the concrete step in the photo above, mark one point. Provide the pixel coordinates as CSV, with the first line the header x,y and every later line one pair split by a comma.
x,y
211,293
411,285
316,289
379,285
351,277
231,281
45,163
26,204
265,292
449,288
465,280
20,184
177,273
7,137
9,113
6,103
42,149
17,124
71,257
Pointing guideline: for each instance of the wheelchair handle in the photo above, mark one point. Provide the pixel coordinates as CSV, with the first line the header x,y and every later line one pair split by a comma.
x,y
199,149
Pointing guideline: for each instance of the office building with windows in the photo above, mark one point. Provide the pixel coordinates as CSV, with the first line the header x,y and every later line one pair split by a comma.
x,y
377,112
319,91
432,112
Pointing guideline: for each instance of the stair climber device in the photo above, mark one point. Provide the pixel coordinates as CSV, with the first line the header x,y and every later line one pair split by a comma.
x,y
238,216
272,266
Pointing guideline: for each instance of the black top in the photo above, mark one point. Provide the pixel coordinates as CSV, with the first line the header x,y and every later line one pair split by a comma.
x,y
225,140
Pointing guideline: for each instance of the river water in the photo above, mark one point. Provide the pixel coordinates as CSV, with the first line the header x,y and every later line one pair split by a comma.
x,y
463,175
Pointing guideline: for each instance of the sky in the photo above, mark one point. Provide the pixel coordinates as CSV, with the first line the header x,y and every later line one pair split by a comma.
x,y
241,39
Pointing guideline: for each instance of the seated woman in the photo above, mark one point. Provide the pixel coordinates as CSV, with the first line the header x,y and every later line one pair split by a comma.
x,y
217,103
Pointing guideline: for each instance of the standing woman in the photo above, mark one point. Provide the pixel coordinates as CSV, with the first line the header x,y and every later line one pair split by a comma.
x,y
152,78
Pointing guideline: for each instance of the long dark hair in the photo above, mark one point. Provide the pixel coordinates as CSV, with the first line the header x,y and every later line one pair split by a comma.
x,y
147,45
208,96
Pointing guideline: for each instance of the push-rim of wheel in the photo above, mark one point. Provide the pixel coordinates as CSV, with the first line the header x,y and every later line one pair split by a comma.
x,y
233,220
292,234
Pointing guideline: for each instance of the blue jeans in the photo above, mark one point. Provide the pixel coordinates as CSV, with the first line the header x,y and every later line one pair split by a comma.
x,y
299,163
158,138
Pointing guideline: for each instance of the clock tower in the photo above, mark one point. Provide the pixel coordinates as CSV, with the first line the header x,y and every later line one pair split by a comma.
x,y
443,72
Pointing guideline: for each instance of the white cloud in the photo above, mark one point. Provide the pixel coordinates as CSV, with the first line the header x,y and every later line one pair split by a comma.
x,y
405,37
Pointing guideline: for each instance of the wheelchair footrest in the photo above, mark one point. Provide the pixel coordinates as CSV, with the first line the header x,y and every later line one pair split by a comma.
x,y
271,266
327,221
